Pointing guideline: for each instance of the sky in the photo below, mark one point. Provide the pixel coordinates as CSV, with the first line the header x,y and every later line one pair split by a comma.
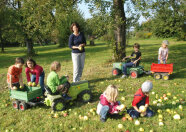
x,y
84,8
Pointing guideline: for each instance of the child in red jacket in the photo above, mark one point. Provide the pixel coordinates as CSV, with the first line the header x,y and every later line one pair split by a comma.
x,y
141,97
108,103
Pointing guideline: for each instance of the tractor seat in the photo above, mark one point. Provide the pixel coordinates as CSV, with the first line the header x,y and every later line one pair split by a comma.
x,y
48,90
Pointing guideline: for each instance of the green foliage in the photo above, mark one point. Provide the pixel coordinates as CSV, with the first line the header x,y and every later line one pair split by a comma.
x,y
143,35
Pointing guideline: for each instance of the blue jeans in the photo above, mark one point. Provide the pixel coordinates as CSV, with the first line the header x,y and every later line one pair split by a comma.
x,y
129,64
41,80
104,111
160,62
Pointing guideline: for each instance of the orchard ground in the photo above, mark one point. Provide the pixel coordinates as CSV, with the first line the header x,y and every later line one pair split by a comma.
x,y
97,71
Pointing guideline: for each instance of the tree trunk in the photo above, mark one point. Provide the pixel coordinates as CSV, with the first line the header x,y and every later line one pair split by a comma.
x,y
120,30
30,49
2,43
92,42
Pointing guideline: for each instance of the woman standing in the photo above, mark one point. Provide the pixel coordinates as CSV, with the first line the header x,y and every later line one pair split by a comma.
x,y
77,43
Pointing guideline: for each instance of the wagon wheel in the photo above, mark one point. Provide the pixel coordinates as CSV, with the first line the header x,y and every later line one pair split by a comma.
x,y
85,96
165,77
115,71
133,74
22,106
157,76
58,105
15,104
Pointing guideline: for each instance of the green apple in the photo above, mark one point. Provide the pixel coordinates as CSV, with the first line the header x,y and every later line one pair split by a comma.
x,y
169,94
176,117
85,118
29,83
120,126
141,129
142,108
123,98
161,124
80,48
165,98
153,92
33,84
160,116
168,110
137,123
154,102
173,102
159,111
180,107
91,110
175,97
14,88
56,115
21,87
160,100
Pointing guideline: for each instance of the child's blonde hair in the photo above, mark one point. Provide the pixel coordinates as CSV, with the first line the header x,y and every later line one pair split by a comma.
x,y
111,93
55,65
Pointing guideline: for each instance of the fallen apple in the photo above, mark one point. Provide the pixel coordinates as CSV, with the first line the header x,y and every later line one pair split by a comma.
x,y
176,117
159,111
33,84
180,107
158,104
154,102
160,116
123,98
85,118
122,107
141,129
161,124
124,118
173,102
120,126
168,110
137,123
153,92
165,98
56,115
91,110
142,108
160,120
169,94
164,95
65,114
130,118
160,100
175,97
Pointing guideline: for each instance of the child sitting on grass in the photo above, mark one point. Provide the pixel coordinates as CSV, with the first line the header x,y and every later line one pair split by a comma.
x,y
54,82
108,103
141,98
14,75
163,52
136,56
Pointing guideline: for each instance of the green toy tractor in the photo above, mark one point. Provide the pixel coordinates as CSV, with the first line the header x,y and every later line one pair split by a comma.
x,y
134,71
78,90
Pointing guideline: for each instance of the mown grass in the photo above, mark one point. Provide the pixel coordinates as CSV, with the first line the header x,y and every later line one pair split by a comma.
x,y
98,72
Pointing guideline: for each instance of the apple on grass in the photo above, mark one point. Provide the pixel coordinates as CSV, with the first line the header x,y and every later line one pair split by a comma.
x,y
159,111
85,118
137,123
141,129
124,118
180,107
176,117
155,102
120,126
160,116
161,124
56,115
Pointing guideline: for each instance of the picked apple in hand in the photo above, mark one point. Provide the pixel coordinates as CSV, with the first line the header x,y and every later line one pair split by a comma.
x,y
142,108
29,83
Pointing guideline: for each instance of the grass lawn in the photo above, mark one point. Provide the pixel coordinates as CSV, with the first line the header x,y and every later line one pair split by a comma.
x,y
98,72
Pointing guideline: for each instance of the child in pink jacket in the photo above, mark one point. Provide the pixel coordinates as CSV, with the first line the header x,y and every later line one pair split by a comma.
x,y
108,103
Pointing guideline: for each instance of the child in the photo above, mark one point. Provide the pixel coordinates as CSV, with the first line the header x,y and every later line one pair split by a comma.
x,y
136,56
14,75
53,81
141,97
163,52
108,103
37,72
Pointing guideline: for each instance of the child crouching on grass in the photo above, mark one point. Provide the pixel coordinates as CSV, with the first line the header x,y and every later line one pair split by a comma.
x,y
141,98
14,75
108,104
54,82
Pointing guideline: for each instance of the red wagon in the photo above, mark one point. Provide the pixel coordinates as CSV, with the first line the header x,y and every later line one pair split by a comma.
x,y
161,70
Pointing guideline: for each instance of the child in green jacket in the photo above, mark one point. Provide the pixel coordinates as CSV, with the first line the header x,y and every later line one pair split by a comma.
x,y
54,83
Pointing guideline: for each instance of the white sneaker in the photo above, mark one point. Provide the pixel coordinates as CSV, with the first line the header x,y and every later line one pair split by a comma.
x,y
123,76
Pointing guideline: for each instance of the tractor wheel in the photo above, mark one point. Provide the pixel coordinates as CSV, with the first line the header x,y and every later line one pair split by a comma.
x,y
133,74
115,71
85,96
58,105
22,106
157,76
15,104
165,77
